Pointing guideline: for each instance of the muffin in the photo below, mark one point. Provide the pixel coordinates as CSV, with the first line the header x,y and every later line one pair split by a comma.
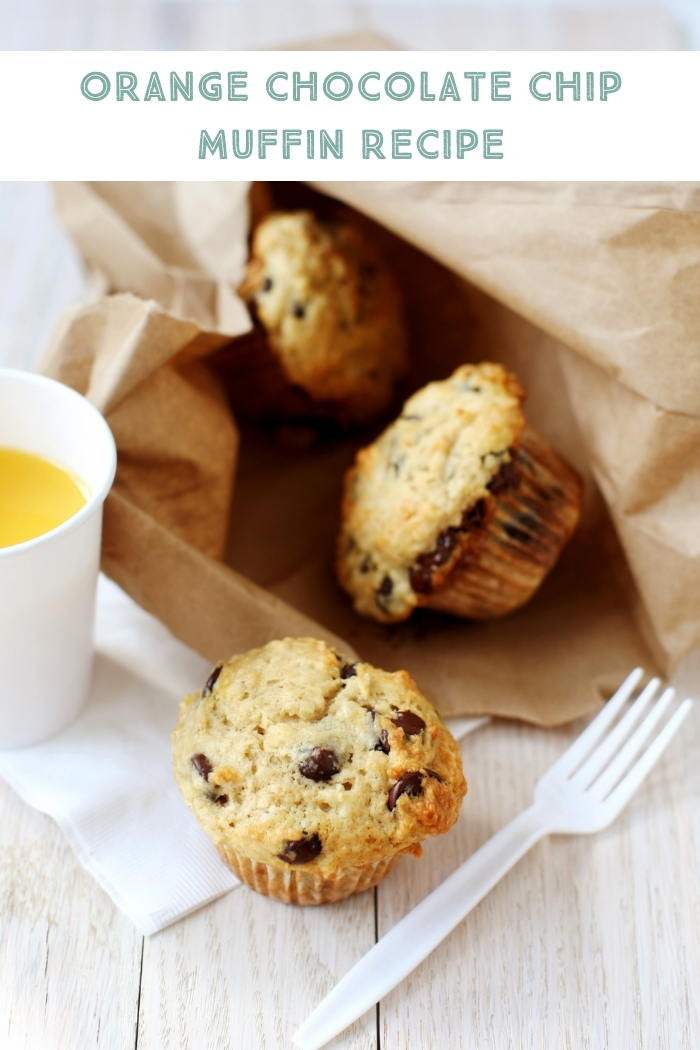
x,y
329,338
459,505
312,773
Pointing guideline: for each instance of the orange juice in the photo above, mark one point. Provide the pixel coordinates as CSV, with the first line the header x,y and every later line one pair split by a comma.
x,y
35,496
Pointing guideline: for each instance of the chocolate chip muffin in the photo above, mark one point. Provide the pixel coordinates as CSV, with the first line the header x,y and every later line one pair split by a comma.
x,y
312,773
329,337
459,505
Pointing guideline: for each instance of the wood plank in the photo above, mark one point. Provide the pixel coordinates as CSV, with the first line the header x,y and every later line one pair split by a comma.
x,y
246,971
588,942
69,961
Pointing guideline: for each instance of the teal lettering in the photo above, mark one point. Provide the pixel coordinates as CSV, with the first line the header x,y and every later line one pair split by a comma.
x,y
400,137
609,82
236,80
177,87
331,145
209,88
337,96
493,137
217,145
449,89
270,87
95,96
574,85
290,137
372,143
467,140
266,137
399,96
499,81
362,86
541,96
475,78
430,154
236,143
126,83
425,95
154,89
310,85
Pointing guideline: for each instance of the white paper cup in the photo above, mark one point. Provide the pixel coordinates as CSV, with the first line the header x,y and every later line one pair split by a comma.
x,y
47,585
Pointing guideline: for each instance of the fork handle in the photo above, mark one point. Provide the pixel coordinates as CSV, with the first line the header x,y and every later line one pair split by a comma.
x,y
419,932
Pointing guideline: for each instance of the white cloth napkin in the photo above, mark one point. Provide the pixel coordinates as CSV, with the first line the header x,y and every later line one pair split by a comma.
x,y
107,780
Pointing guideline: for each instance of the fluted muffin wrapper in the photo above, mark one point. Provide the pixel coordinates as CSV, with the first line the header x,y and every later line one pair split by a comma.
x,y
295,885
522,539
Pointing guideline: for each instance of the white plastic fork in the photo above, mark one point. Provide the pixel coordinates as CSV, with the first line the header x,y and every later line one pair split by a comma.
x,y
582,792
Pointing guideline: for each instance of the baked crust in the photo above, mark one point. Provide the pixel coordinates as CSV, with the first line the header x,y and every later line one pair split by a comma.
x,y
251,758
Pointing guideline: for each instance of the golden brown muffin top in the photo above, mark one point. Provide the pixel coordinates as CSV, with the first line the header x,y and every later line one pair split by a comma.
x,y
331,309
293,755
417,480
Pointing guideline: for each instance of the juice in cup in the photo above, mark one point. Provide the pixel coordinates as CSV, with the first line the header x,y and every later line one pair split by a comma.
x,y
36,496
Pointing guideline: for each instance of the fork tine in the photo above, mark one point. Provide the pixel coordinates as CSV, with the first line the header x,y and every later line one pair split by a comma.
x,y
622,762
605,750
627,787
593,732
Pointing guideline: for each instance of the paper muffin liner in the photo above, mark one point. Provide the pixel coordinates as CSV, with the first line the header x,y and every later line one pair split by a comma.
x,y
294,885
531,515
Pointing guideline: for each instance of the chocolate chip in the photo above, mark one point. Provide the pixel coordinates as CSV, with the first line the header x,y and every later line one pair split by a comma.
x,y
410,784
421,575
298,310
212,680
221,800
386,586
321,764
446,543
383,742
506,478
267,284
300,851
434,775
349,671
473,518
202,764
410,722
421,579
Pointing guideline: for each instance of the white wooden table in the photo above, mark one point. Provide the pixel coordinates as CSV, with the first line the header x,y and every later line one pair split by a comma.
x,y
588,943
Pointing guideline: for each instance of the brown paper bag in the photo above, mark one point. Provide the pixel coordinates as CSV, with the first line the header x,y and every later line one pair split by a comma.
x,y
610,271
182,244
551,660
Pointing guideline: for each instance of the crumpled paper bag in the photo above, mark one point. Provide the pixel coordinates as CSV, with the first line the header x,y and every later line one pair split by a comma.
x,y
182,244
612,273
166,518
552,314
